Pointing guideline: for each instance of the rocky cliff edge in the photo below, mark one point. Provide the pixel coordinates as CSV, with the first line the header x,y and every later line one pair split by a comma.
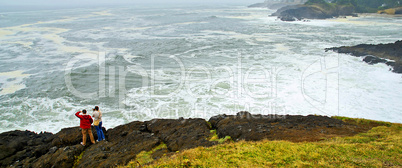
x,y
125,142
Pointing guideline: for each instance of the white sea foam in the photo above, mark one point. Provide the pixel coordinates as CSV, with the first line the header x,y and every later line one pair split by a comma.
x,y
362,21
51,115
12,81
272,68
374,83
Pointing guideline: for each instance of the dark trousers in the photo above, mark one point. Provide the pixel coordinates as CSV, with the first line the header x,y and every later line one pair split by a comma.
x,y
99,132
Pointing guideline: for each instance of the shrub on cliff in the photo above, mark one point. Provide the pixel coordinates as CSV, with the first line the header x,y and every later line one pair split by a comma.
x,y
370,6
313,2
359,6
321,4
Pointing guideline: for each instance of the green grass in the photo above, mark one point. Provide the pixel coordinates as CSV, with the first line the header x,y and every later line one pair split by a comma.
x,y
379,147
214,137
145,157
361,121
78,159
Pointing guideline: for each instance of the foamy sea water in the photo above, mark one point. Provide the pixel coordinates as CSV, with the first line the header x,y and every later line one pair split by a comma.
x,y
140,63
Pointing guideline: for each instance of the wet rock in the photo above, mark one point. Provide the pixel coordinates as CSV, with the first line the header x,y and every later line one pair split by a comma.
x,y
374,60
62,158
390,53
18,145
287,18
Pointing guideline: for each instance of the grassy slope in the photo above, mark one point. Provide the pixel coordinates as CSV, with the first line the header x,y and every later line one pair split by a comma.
x,y
390,11
381,146
359,6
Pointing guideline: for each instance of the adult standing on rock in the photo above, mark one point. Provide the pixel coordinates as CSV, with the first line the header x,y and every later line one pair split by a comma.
x,y
98,123
85,125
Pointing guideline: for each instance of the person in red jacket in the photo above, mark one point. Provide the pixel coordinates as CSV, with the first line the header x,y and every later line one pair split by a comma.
x,y
85,125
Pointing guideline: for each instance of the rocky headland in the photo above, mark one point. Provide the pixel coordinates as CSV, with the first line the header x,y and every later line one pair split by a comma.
x,y
323,9
125,142
313,11
390,54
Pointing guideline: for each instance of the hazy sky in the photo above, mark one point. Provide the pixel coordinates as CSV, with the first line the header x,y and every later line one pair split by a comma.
x,y
117,2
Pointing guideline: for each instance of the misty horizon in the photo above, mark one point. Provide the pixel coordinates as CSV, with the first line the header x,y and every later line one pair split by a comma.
x,y
25,5
119,2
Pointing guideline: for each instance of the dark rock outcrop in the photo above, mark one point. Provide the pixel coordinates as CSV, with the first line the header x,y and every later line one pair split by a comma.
x,y
71,136
56,157
182,133
245,126
28,149
18,145
301,12
390,54
120,151
374,60
125,142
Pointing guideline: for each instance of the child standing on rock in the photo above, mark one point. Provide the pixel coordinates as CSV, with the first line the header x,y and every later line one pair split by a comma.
x,y
85,125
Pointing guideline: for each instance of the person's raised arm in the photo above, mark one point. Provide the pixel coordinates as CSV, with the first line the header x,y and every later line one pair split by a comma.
x,y
78,114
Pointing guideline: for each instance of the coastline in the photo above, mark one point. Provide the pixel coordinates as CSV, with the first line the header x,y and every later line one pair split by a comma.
x,y
164,136
389,53
125,142
350,19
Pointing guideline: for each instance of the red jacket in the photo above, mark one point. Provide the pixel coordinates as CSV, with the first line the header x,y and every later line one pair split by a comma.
x,y
85,120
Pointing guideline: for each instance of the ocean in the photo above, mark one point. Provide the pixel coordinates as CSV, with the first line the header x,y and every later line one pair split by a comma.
x,y
143,62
